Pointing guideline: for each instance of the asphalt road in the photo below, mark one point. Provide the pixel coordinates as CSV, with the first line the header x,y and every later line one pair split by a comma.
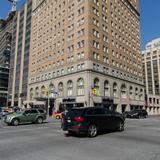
x,y
140,141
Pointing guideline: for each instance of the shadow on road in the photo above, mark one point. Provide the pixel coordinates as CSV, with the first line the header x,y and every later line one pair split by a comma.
x,y
102,132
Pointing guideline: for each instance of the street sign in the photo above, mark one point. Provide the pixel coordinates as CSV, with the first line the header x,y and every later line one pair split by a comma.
x,y
46,93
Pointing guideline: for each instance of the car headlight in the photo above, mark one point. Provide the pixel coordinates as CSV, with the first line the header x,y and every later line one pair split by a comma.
x,y
9,118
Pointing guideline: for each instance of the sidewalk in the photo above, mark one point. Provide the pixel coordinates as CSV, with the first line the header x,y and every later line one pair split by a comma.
x,y
51,119
154,116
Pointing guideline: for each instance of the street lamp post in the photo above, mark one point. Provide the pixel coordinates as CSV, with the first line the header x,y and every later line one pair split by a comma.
x,y
48,103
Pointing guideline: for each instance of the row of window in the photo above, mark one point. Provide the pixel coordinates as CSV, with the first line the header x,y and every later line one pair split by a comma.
x,y
134,93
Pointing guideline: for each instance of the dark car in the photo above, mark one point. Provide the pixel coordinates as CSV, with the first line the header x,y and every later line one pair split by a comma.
x,y
137,113
91,119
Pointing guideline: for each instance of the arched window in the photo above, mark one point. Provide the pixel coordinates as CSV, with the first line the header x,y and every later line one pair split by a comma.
x,y
60,89
51,90
43,91
131,92
115,89
36,92
51,87
97,85
69,88
106,88
31,94
141,95
136,93
123,91
80,86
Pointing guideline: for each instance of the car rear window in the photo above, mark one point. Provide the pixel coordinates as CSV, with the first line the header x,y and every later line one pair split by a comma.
x,y
98,111
74,112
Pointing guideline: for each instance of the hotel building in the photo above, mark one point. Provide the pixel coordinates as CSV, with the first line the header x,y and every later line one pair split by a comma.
x,y
86,53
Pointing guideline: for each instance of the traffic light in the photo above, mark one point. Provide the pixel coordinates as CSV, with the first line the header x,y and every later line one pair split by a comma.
x,y
94,91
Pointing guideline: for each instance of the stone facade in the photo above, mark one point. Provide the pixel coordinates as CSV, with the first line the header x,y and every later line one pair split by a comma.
x,y
82,44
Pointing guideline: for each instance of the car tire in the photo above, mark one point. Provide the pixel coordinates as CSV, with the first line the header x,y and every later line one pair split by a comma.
x,y
57,117
15,122
146,116
139,116
121,126
70,132
92,130
39,120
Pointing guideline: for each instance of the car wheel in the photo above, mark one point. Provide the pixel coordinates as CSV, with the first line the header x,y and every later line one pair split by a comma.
x,y
70,132
146,116
121,126
139,116
39,120
57,117
15,122
92,130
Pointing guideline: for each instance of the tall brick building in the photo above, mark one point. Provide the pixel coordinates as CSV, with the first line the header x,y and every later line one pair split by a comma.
x,y
87,52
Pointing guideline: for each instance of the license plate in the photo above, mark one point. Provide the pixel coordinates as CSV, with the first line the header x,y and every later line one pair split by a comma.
x,y
68,120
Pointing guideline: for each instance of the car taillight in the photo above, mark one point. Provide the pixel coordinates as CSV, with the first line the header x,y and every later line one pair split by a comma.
x,y
79,119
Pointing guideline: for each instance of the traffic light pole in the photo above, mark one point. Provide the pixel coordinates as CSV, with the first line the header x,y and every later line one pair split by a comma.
x,y
89,98
48,104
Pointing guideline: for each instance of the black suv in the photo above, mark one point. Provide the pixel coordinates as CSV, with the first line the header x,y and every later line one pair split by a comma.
x,y
91,119
137,113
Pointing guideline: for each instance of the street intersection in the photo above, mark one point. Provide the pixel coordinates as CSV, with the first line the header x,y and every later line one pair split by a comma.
x,y
139,141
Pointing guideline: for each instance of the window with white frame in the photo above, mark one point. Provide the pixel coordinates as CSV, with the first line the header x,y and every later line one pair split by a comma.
x,y
60,89
115,89
80,87
96,44
43,91
69,88
106,88
36,92
123,91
